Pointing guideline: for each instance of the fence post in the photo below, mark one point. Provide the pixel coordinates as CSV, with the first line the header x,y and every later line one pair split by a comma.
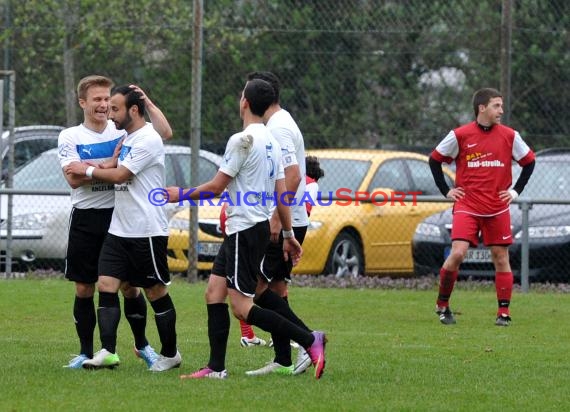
x,y
525,206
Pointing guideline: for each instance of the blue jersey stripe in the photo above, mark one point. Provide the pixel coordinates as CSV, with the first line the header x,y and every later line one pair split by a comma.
x,y
99,150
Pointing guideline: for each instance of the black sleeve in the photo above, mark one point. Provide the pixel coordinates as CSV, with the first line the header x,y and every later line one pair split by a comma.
x,y
523,178
437,172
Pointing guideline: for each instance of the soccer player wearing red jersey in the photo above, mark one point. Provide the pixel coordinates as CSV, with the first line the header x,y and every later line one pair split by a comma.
x,y
483,151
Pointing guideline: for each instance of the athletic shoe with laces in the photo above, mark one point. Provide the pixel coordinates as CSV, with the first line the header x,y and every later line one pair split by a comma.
x,y
293,344
76,362
272,367
147,354
255,341
303,362
503,320
445,315
164,363
206,373
317,353
102,359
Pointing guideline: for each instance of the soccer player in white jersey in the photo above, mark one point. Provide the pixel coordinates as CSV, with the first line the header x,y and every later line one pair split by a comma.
x,y
276,272
252,171
134,250
94,141
482,151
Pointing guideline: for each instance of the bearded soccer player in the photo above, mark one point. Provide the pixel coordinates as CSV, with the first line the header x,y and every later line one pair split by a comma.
x,y
483,151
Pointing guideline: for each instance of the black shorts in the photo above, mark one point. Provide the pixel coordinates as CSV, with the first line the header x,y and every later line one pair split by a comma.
x,y
87,231
273,266
239,258
140,261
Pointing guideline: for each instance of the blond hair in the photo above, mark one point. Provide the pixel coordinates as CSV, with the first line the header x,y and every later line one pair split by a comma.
x,y
91,81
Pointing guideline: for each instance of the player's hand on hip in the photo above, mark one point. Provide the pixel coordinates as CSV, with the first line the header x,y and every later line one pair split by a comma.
x,y
456,193
508,196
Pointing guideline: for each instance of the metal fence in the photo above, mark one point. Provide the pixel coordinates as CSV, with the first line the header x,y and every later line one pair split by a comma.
x,y
363,74
38,240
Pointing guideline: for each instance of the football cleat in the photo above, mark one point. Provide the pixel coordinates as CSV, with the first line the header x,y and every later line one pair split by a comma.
x,y
255,341
102,359
503,320
445,315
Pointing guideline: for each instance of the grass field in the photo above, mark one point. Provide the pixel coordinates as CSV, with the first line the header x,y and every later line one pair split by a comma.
x,y
387,352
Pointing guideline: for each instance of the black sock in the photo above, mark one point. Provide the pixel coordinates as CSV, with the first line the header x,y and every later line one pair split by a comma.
x,y
218,332
135,312
273,322
109,314
165,318
85,321
270,300
282,349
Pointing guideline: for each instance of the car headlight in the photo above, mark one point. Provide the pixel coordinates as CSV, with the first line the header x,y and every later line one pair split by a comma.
x,y
545,232
428,230
29,221
314,225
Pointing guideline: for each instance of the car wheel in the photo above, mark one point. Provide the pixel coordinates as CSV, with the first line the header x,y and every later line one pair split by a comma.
x,y
345,257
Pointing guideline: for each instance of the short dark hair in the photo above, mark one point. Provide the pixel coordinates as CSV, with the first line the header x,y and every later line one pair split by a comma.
x,y
132,97
260,96
270,78
483,96
313,166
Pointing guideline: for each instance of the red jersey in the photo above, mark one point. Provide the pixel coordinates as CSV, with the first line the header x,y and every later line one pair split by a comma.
x,y
483,165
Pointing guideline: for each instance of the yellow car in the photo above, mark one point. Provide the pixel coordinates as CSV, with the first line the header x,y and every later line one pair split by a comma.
x,y
361,223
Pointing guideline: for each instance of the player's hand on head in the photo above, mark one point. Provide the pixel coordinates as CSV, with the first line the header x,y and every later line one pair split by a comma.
x,y
143,97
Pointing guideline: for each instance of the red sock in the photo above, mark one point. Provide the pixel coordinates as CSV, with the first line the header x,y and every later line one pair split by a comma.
x,y
246,330
504,288
447,279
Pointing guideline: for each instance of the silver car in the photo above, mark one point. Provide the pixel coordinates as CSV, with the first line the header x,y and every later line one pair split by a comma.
x,y
40,222
29,142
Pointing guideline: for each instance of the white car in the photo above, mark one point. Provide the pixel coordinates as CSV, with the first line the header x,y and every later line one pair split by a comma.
x,y
40,221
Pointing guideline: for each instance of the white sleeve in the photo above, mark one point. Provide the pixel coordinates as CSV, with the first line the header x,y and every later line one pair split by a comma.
x,y
235,155
313,190
288,152
520,148
67,152
142,153
448,147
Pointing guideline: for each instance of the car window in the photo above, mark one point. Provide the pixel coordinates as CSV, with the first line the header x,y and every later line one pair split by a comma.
x,y
170,170
206,169
391,174
423,178
342,173
42,173
549,180
26,150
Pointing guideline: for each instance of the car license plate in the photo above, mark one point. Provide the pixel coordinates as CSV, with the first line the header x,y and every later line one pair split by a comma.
x,y
478,256
208,248
473,255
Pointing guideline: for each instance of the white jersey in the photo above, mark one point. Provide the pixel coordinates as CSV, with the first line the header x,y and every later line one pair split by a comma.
x,y
80,144
289,137
253,159
134,215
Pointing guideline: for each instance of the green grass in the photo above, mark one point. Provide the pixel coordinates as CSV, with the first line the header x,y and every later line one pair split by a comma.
x,y
387,351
